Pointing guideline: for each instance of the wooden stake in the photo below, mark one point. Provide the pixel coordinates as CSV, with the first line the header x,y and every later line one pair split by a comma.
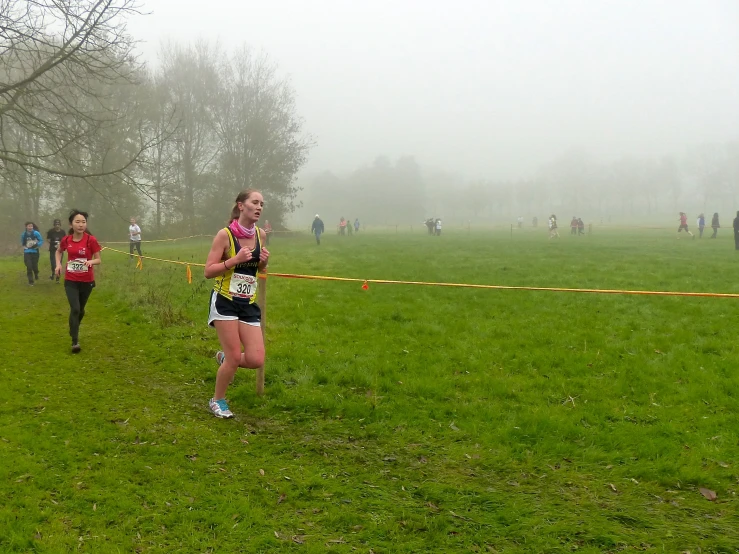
x,y
262,302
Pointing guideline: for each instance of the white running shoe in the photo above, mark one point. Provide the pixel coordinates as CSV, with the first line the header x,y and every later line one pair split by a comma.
x,y
220,408
220,356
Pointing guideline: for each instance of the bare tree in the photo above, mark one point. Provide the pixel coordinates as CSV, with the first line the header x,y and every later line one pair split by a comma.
x,y
54,56
190,82
259,131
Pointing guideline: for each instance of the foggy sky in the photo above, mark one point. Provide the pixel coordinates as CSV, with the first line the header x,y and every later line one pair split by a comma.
x,y
485,88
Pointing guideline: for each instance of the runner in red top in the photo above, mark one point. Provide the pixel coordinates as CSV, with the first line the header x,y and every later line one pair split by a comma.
x,y
684,225
83,252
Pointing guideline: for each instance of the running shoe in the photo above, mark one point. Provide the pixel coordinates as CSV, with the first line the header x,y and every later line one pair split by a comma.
x,y
76,348
220,408
220,356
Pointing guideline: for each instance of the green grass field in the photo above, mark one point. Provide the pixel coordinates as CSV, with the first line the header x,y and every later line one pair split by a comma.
x,y
397,419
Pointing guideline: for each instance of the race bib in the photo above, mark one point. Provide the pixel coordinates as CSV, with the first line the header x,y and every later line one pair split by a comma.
x,y
77,266
242,286
30,243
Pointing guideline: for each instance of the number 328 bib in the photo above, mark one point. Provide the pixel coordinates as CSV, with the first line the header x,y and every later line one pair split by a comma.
x,y
242,286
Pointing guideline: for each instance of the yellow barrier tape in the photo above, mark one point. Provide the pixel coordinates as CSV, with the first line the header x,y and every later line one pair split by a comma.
x,y
461,285
156,240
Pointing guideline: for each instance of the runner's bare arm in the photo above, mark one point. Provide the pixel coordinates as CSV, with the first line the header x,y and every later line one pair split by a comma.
x,y
95,260
264,253
214,264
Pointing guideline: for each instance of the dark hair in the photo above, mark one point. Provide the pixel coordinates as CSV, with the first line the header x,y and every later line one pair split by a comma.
x,y
35,227
74,213
242,197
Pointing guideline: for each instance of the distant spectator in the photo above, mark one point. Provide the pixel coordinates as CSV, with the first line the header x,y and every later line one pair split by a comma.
x,y
553,227
580,226
535,222
342,226
573,226
430,225
317,228
520,221
267,231
736,231
715,225
437,224
356,225
701,225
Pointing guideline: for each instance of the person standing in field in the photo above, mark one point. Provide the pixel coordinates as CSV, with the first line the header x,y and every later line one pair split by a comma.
x,y
438,227
736,231
715,225
701,225
342,226
235,257
356,225
317,228
553,227
267,231
83,252
134,238
54,236
580,226
31,240
684,225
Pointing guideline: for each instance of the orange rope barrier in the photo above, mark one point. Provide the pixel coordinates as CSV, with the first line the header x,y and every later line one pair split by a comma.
x,y
461,285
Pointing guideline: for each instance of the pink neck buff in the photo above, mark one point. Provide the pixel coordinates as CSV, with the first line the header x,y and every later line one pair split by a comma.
x,y
241,232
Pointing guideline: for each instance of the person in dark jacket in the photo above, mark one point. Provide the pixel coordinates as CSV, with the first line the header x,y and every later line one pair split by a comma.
x,y
736,231
715,225
54,236
317,228
31,240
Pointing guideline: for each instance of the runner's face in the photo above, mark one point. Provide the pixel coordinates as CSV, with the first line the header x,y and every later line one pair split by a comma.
x,y
57,226
29,227
133,221
79,224
251,208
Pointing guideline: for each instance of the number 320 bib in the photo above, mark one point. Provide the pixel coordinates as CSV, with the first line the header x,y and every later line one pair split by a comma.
x,y
242,286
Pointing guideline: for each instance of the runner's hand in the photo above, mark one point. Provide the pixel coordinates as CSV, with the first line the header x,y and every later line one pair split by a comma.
x,y
263,256
58,270
243,256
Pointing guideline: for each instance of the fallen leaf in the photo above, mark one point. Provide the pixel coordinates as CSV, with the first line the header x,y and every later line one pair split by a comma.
x,y
723,464
613,487
708,493
658,352
282,498
298,539
261,472
453,427
94,507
